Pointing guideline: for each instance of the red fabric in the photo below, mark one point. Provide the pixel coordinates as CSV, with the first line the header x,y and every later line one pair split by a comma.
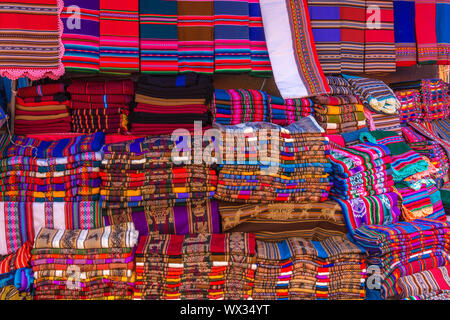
x,y
40,104
42,90
158,129
119,87
110,98
427,51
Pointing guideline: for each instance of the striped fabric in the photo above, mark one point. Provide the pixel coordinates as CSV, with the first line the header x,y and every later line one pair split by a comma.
x,y
405,32
30,37
425,283
410,105
231,36
326,27
119,36
81,38
260,62
195,36
158,36
353,23
17,260
427,51
442,34
379,49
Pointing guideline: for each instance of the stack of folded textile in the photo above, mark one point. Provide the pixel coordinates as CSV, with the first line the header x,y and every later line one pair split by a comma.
x,y
263,162
42,109
279,221
100,105
430,149
206,266
51,183
286,111
273,272
405,161
141,182
235,106
332,269
361,170
432,284
166,103
339,114
93,265
410,105
402,249
383,122
16,276
435,100
374,94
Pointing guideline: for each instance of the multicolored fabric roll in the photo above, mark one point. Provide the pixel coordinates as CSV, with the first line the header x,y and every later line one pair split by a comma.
x,y
81,37
30,33
158,36
195,36
119,36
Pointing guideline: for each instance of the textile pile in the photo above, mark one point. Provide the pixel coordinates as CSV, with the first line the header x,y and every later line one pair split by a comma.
x,y
142,182
383,122
205,266
431,284
100,105
291,165
300,269
42,109
51,183
403,249
410,105
279,221
166,103
286,111
97,264
16,276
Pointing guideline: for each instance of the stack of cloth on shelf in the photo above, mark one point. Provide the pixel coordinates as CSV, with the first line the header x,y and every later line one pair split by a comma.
x,y
51,183
16,276
199,267
42,109
279,221
410,105
166,103
339,114
273,272
432,284
332,269
235,106
97,264
264,163
402,249
374,94
100,105
430,149
301,269
142,182
405,161
286,111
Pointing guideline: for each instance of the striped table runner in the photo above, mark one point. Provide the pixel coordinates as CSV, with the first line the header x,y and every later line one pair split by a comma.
x,y
260,62
119,36
195,36
158,36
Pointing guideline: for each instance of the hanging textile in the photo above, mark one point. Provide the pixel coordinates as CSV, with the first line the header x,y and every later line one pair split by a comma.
x,y
326,24
426,31
30,37
119,36
260,62
442,31
405,32
353,23
195,36
231,36
379,48
158,36
81,37
296,68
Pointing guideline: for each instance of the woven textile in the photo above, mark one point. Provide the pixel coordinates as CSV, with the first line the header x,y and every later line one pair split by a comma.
x,y
405,33
30,32
379,48
260,62
425,282
442,36
435,99
293,56
353,24
119,36
410,105
81,38
158,36
17,260
427,50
